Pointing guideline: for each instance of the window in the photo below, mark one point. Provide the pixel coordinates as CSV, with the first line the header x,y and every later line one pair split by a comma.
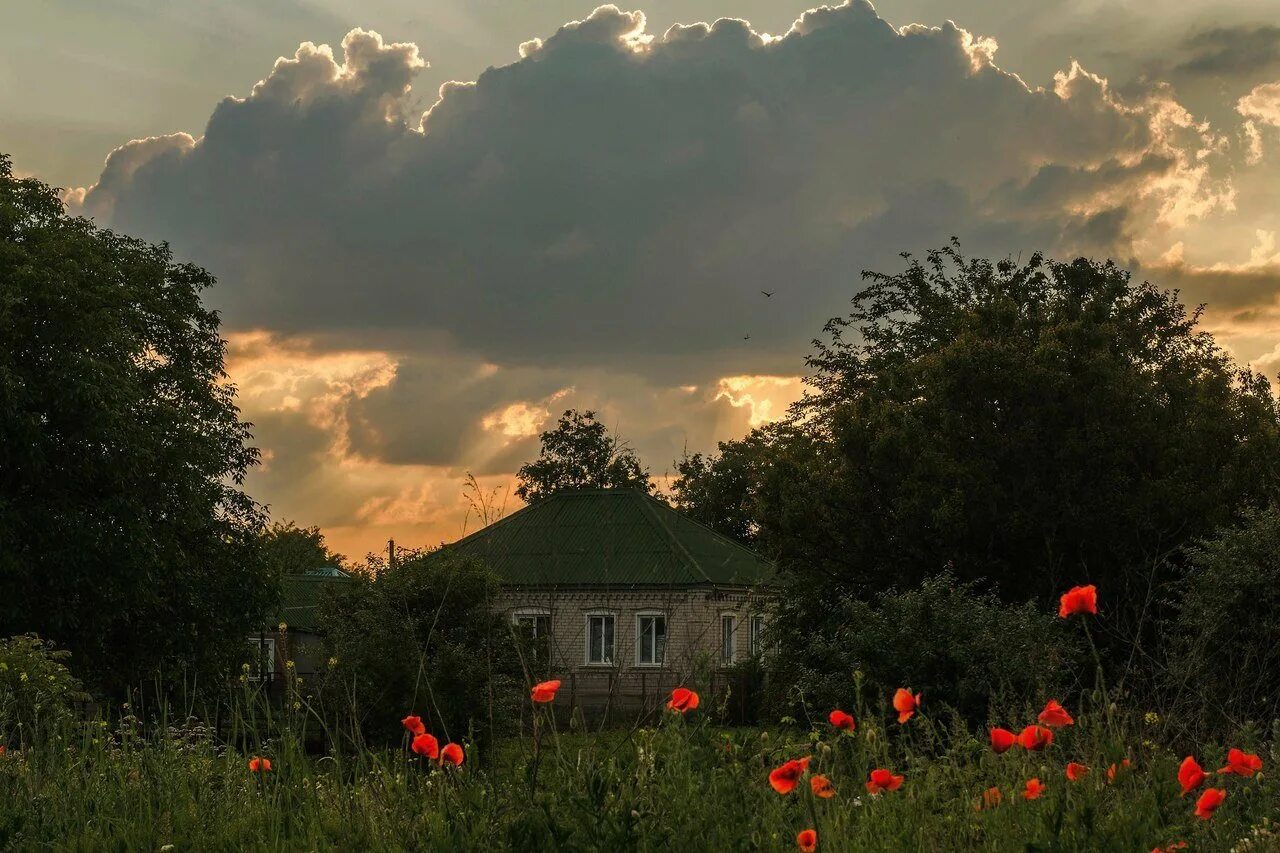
x,y
755,634
651,628
535,624
533,628
262,658
600,638
726,638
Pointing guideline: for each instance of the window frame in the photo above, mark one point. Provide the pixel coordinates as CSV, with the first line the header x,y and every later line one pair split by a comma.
x,y
732,637
755,634
612,659
640,617
532,613
258,642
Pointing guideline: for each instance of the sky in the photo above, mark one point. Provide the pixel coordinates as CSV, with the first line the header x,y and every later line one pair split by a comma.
x,y
436,225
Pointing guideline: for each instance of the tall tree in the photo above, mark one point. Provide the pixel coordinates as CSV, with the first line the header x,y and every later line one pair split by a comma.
x,y
124,533
1036,424
580,453
290,549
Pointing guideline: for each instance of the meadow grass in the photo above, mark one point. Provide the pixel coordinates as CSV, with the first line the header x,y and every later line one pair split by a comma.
x,y
682,784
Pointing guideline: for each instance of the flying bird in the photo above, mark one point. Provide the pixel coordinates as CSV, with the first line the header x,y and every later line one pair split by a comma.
x,y
746,337
769,293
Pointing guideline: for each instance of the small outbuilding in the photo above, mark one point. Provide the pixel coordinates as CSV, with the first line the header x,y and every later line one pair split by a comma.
x,y
622,598
296,634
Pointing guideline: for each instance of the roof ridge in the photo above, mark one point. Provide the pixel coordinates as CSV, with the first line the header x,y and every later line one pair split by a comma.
x,y
674,541
684,517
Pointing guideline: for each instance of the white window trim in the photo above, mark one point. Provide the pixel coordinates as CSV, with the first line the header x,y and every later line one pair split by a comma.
x,y
260,642
526,612
643,614
586,637
756,638
733,641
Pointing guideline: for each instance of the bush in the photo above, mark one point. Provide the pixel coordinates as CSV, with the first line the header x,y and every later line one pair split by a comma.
x,y
1225,637
37,691
944,639
422,637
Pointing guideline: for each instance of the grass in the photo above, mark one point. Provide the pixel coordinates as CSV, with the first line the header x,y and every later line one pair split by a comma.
x,y
685,784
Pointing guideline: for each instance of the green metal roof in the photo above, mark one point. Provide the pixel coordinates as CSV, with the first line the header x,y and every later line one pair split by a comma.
x,y
610,536
301,595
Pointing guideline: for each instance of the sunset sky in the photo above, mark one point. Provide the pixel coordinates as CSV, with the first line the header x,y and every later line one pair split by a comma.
x,y
436,225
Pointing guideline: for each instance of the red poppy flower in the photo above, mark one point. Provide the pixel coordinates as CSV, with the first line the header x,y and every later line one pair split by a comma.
x,y
414,724
1190,775
841,720
992,797
1079,600
426,745
784,778
1177,845
1055,715
452,754
545,691
905,703
1209,802
807,840
1002,740
822,787
1113,769
2,749
1035,738
683,700
1241,763
1033,790
259,765
1076,771
883,780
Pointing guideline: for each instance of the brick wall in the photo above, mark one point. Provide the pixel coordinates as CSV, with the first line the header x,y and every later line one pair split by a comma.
x,y
693,645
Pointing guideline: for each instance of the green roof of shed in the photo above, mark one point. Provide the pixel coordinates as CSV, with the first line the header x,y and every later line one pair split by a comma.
x,y
610,536
301,595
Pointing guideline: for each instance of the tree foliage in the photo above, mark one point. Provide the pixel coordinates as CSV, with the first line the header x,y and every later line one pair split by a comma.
x,y
124,534
955,642
423,636
1225,638
580,453
1036,425
290,549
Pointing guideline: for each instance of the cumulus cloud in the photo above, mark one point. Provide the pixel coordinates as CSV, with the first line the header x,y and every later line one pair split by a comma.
x,y
619,196
592,224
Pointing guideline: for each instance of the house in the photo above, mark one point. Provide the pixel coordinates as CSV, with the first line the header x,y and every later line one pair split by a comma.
x,y
295,635
622,597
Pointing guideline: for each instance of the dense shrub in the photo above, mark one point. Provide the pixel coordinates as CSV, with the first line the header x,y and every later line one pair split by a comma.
x,y
1225,638
37,691
952,641
422,636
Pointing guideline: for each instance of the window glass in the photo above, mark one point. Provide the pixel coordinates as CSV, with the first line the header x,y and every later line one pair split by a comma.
x,y
534,631
726,639
600,639
757,635
262,658
653,639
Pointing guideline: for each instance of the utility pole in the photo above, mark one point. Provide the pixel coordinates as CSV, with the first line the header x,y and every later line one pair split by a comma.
x,y
391,553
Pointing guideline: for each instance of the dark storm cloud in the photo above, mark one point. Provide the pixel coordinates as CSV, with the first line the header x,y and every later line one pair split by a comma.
x,y
1240,51
615,197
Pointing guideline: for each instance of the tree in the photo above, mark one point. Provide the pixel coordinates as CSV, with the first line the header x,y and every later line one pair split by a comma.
x,y
1224,642
290,549
956,642
1037,425
126,537
580,453
423,636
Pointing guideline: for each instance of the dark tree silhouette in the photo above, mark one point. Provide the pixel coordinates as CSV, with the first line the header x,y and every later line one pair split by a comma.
x,y
580,453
